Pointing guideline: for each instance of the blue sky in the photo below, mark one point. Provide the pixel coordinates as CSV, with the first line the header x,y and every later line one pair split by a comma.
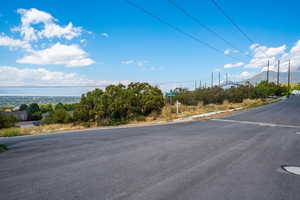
x,y
101,42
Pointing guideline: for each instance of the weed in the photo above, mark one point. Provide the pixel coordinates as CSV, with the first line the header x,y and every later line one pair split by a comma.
x,y
3,148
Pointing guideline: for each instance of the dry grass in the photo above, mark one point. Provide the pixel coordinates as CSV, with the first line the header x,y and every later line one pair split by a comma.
x,y
169,112
34,130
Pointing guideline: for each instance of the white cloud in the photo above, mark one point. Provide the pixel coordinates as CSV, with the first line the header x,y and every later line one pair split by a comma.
x,y
139,63
253,46
53,30
142,64
242,75
272,54
296,48
230,51
83,41
276,51
50,29
262,54
58,54
104,34
37,30
260,51
13,43
233,65
12,76
127,62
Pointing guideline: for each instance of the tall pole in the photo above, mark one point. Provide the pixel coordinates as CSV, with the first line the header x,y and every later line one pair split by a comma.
x,y
212,79
200,84
219,79
289,76
268,71
195,85
278,71
226,78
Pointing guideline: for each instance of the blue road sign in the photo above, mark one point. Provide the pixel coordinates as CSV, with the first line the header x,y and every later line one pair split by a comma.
x,y
170,94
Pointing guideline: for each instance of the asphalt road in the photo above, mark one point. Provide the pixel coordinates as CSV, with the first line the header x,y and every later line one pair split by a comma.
x,y
209,159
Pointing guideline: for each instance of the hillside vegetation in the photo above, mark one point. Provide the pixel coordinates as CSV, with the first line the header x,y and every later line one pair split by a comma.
x,y
119,104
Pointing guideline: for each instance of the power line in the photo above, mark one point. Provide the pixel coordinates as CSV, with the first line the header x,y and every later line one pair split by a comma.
x,y
178,29
232,21
234,24
195,19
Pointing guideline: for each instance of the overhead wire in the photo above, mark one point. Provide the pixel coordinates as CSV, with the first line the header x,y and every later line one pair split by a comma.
x,y
224,13
144,10
195,19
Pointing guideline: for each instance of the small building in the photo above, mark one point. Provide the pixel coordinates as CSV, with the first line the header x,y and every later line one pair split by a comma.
x,y
19,115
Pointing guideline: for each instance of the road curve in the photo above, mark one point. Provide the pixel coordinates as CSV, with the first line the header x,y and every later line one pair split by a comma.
x,y
208,159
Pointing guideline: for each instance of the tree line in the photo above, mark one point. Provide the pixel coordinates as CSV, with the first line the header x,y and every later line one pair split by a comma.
x,y
217,95
118,104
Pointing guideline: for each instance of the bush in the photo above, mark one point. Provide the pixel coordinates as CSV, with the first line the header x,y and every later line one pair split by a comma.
x,y
7,121
57,116
3,148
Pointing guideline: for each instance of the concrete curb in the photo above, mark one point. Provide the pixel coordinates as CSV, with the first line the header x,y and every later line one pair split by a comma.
x,y
193,117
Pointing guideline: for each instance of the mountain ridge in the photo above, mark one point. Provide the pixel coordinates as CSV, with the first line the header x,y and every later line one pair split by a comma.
x,y
283,77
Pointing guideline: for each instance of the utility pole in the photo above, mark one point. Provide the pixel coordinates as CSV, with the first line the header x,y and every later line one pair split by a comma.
x,y
219,79
278,71
212,79
289,76
195,85
226,78
200,84
268,71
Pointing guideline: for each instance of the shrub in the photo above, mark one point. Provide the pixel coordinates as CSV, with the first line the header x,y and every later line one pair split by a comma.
x,y
7,120
59,115
3,148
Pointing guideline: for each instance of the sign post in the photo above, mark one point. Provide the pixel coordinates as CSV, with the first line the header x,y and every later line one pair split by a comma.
x,y
177,107
170,95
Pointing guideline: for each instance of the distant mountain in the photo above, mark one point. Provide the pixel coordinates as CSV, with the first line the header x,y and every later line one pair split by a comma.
x,y
283,77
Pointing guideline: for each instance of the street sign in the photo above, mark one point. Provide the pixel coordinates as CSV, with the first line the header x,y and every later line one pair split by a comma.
x,y
170,95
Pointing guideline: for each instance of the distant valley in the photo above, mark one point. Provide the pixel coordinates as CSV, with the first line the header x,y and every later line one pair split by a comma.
x,y
18,100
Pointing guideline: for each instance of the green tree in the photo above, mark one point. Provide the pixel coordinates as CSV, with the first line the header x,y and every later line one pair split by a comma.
x,y
144,99
34,112
118,103
46,108
59,106
88,108
23,107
